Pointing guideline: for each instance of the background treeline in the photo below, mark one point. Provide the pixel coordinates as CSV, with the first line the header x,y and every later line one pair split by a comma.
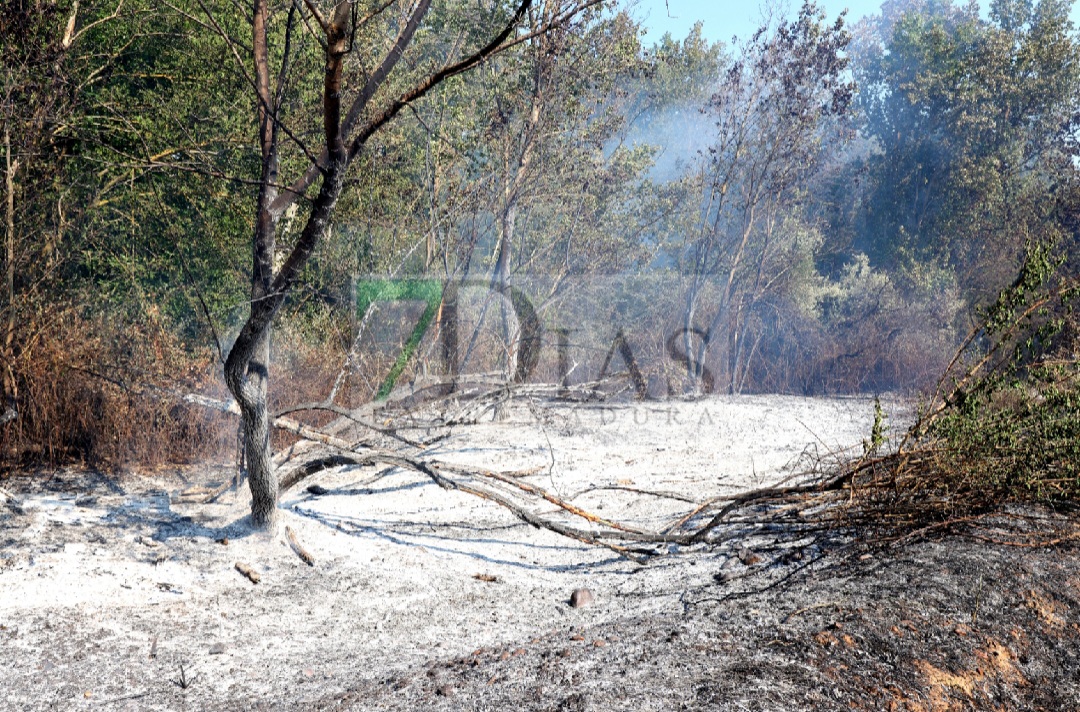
x,y
825,207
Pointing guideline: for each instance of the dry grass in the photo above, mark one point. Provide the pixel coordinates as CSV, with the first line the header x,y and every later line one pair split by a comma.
x,y
82,398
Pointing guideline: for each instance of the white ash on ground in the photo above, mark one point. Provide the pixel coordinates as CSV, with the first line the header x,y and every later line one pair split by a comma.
x,y
116,594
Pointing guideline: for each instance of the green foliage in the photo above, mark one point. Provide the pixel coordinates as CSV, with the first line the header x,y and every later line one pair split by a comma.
x,y
103,210
877,430
967,119
680,72
1009,429
1018,441
823,249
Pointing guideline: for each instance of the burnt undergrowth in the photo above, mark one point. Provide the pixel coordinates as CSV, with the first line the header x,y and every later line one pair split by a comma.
x,y
994,452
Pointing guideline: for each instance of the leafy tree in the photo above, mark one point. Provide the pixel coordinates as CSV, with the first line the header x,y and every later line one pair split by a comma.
x,y
770,113
968,120
355,106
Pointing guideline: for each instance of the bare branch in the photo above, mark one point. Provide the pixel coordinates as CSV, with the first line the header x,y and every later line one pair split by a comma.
x,y
496,46
287,424
336,48
374,13
313,8
351,416
378,77
283,72
69,38
376,80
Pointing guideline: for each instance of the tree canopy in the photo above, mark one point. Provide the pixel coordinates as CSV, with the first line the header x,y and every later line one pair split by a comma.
x,y
828,203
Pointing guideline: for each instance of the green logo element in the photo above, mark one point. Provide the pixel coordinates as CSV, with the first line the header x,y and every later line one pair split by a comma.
x,y
429,291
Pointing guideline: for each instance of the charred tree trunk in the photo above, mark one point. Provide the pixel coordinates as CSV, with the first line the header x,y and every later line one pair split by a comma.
x,y
10,385
500,282
247,366
255,422
247,370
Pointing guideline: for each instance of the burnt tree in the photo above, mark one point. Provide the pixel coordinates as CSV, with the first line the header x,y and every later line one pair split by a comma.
x,y
344,136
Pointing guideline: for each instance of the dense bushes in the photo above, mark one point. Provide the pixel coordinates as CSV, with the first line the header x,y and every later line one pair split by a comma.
x,y
1002,427
85,395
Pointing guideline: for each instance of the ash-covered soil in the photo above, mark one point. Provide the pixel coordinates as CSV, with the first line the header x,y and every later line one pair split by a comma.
x,y
121,593
947,625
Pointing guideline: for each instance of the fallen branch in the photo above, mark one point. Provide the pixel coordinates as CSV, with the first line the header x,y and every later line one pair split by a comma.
x,y
434,471
351,416
854,495
251,574
303,553
281,423
544,494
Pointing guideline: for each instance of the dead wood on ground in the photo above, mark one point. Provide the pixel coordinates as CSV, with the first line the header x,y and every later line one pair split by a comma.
x,y
469,402
298,548
849,496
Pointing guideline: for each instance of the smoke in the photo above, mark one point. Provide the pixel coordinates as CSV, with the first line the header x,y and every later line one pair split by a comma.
x,y
680,135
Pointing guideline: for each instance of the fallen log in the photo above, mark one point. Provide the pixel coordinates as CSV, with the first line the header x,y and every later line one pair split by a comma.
x,y
250,573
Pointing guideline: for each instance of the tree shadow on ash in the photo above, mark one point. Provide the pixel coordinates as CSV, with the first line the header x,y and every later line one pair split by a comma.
x,y
153,515
409,534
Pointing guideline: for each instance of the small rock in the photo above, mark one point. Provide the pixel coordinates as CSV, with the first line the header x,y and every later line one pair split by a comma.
x,y
748,557
445,691
826,639
599,643
217,648
581,598
317,490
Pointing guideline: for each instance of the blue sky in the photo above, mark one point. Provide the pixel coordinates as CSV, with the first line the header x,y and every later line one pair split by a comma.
x,y
723,18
